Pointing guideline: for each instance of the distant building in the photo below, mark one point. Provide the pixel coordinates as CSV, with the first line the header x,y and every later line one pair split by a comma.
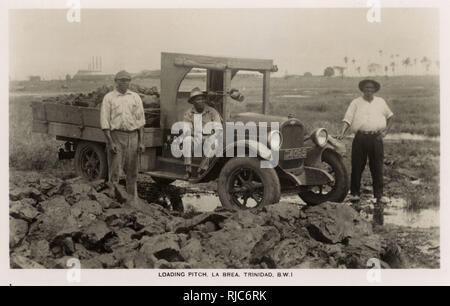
x,y
92,75
34,78
94,71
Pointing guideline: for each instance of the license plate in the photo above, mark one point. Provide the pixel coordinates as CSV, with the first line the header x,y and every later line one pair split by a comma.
x,y
296,153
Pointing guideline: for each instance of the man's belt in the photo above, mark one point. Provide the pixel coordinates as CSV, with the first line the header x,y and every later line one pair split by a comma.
x,y
369,132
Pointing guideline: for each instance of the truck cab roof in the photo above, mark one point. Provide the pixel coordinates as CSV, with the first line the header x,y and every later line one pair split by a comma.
x,y
218,62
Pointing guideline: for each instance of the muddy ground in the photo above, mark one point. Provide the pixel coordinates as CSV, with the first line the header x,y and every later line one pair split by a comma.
x,y
53,220
55,216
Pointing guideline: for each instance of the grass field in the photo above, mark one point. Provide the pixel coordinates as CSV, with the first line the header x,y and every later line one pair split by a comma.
x,y
28,150
321,102
317,101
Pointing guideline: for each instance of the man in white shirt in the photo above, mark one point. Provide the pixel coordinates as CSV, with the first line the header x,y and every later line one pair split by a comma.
x,y
370,118
122,120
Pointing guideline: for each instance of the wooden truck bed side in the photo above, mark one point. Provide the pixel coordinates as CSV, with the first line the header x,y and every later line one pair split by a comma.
x,y
78,123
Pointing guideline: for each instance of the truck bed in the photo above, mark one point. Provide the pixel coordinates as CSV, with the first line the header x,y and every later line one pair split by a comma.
x,y
78,123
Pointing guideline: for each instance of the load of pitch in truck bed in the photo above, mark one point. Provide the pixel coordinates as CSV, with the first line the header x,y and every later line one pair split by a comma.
x,y
149,96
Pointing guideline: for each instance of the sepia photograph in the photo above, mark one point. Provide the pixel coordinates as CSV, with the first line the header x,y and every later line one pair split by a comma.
x,y
246,139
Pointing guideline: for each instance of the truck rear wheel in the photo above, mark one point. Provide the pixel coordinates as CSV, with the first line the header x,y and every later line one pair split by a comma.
x,y
243,184
337,190
90,161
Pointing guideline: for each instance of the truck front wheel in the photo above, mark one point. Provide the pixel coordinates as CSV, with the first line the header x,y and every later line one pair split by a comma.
x,y
243,184
90,161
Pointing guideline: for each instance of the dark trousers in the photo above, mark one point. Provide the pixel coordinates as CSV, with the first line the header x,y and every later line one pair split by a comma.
x,y
367,146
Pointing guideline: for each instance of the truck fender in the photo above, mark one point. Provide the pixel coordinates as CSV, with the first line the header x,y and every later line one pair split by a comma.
x,y
314,156
336,145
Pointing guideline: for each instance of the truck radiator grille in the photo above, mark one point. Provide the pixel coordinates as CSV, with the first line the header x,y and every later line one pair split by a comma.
x,y
293,135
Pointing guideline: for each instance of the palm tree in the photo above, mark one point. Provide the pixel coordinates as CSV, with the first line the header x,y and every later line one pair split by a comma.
x,y
426,62
406,62
393,67
354,63
415,65
346,62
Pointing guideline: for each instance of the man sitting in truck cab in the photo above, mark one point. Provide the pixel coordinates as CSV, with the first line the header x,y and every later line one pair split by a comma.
x,y
198,100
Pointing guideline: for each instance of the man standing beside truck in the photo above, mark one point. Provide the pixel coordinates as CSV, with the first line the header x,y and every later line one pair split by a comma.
x,y
370,118
122,120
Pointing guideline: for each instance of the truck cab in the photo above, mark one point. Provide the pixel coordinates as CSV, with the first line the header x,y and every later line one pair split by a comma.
x,y
304,160
264,157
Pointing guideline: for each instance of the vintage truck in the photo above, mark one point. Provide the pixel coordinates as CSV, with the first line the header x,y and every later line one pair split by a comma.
x,y
310,164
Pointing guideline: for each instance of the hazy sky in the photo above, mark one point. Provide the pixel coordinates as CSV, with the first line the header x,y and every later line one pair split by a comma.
x,y
43,42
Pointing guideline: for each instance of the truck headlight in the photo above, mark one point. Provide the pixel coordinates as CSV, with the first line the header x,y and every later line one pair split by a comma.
x,y
320,137
275,140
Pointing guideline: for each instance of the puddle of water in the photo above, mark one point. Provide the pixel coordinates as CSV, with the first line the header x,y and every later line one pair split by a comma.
x,y
201,202
395,213
306,92
206,202
409,136
426,218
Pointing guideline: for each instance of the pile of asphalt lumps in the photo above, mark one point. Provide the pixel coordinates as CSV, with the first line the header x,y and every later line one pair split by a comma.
x,y
149,96
53,221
